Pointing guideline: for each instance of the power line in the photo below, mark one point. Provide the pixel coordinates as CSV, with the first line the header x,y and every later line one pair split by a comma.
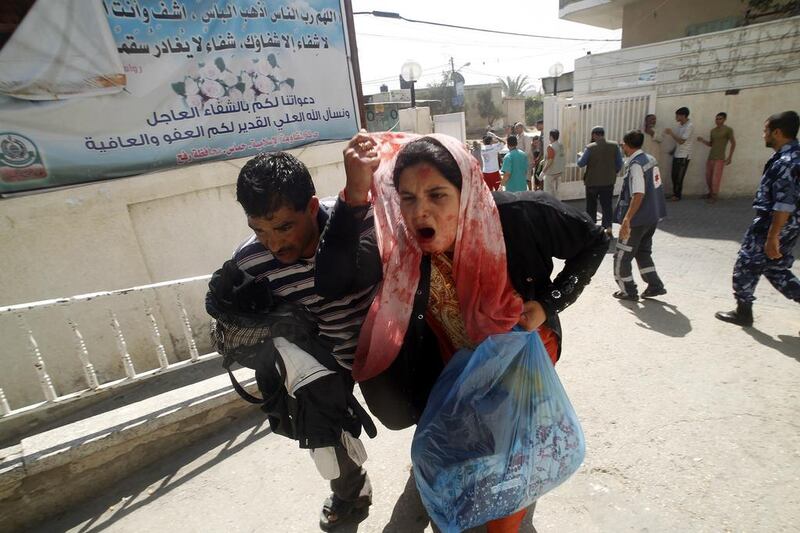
x,y
394,77
390,15
476,44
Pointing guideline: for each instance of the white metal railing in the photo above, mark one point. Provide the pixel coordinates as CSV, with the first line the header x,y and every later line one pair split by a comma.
x,y
93,384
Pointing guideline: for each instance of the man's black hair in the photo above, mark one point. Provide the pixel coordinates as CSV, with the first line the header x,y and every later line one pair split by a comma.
x,y
682,111
427,150
555,134
511,140
723,114
634,139
787,122
269,182
598,130
487,139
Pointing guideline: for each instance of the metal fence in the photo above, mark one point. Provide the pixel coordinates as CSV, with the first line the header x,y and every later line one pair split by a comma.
x,y
575,118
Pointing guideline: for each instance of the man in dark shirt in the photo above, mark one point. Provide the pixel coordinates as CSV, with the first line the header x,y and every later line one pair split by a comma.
x,y
768,244
602,160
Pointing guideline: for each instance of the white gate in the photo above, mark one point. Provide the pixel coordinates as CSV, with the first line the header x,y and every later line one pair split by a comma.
x,y
575,118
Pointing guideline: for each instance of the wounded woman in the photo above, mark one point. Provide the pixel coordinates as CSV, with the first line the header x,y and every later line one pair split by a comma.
x,y
456,264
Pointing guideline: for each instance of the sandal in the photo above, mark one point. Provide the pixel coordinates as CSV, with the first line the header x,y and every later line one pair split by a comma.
x,y
336,512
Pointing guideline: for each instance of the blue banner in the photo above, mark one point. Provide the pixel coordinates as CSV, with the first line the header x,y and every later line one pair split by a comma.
x,y
201,80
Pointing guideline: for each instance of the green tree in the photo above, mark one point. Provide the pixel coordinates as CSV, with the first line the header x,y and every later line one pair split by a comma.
x,y
534,109
514,86
487,109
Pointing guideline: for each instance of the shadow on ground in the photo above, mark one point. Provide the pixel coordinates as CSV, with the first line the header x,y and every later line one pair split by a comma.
x,y
727,219
660,317
90,516
409,515
785,344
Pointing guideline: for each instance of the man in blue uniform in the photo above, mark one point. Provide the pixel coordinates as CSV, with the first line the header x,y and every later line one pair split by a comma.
x,y
769,241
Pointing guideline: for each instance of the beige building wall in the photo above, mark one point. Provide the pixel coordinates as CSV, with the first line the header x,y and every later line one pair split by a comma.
x,y
514,109
747,112
651,21
116,234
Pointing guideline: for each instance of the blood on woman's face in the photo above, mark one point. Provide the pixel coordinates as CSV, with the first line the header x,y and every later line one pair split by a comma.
x,y
429,205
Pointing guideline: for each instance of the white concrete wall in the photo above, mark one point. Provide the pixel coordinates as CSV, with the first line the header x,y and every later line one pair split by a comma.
x,y
415,120
451,124
747,112
761,62
754,56
116,234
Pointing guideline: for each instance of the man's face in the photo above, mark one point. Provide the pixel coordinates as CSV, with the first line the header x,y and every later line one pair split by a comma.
x,y
650,121
627,149
681,119
595,137
287,233
771,137
518,129
719,120
540,125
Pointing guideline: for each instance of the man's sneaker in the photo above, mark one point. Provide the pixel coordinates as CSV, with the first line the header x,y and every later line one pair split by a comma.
x,y
652,292
622,295
742,316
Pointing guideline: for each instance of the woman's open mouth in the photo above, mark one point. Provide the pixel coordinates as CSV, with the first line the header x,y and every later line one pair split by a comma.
x,y
426,234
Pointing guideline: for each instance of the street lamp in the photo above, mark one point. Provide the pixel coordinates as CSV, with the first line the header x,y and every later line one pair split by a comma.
x,y
411,71
556,70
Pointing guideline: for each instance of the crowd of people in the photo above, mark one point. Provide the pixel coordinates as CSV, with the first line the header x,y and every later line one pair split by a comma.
x,y
422,255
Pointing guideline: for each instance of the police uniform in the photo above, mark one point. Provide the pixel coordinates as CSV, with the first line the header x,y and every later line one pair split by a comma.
x,y
779,191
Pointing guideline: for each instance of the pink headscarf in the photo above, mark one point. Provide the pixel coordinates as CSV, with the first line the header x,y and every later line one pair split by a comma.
x,y
488,302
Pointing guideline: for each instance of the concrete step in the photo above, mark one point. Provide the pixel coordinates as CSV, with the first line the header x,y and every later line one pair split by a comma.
x,y
50,471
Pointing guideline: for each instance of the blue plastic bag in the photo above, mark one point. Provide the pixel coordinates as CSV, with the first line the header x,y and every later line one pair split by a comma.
x,y
498,432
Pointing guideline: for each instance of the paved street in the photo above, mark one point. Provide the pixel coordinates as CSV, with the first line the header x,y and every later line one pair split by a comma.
x,y
690,422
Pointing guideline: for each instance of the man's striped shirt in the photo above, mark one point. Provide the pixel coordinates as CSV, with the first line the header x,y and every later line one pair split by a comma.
x,y
339,320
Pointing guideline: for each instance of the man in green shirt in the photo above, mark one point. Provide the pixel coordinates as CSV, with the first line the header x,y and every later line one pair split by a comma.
x,y
515,167
718,141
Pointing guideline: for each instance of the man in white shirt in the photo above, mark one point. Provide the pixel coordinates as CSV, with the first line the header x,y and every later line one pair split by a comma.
x,y
641,206
491,164
683,135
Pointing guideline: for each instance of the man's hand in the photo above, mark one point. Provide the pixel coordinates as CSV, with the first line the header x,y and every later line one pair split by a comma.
x,y
625,230
772,248
360,161
668,131
532,316
728,161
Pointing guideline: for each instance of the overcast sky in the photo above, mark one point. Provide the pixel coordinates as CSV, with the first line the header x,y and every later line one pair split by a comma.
x,y
385,44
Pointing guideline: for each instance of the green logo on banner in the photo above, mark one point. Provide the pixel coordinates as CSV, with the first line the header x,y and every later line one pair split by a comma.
x,y
19,159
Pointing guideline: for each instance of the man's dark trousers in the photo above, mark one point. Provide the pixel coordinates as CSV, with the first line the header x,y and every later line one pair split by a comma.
x,y
752,262
679,166
605,193
639,245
